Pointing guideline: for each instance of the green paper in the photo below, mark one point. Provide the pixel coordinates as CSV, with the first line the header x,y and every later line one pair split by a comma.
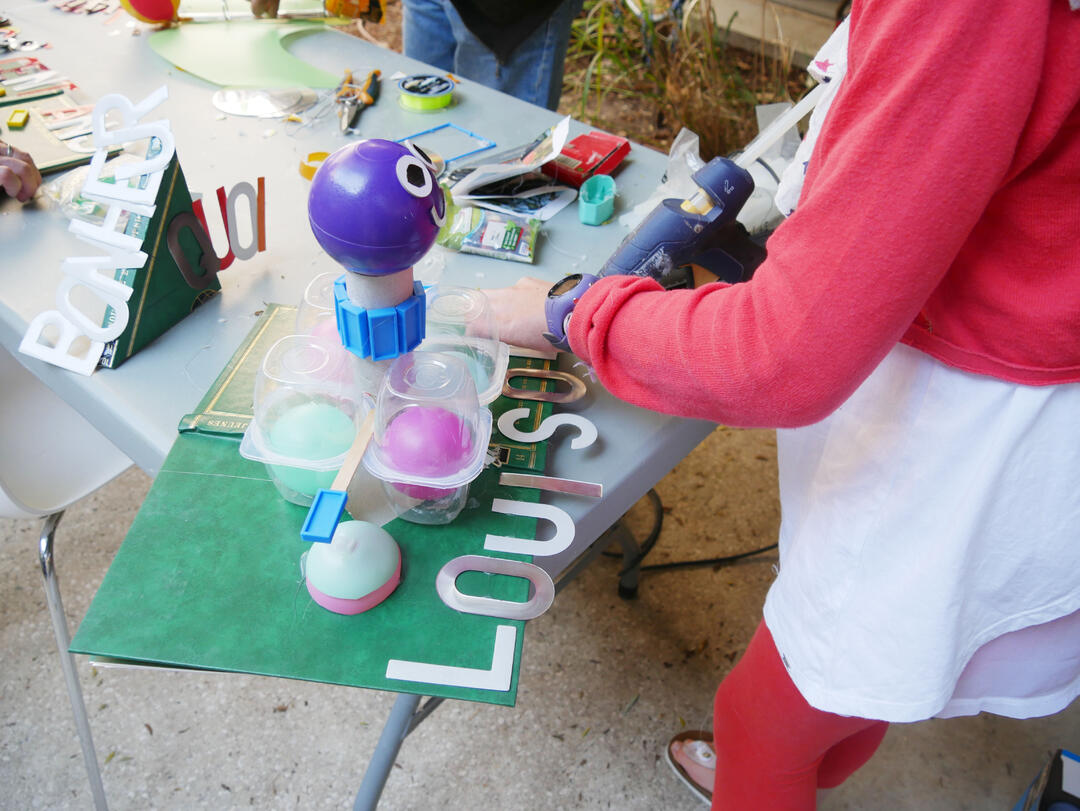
x,y
209,576
531,456
242,53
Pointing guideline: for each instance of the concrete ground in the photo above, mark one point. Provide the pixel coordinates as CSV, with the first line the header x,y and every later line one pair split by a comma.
x,y
604,683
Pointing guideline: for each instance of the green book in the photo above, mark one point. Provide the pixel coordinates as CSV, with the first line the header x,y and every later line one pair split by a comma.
x,y
160,296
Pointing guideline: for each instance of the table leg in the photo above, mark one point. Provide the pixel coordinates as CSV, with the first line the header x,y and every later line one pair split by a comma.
x,y
398,725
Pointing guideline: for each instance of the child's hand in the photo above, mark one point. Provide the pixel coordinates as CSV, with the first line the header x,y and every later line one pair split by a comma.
x,y
519,313
19,177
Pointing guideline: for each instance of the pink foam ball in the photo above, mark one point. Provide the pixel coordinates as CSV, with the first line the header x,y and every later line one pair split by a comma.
x,y
427,441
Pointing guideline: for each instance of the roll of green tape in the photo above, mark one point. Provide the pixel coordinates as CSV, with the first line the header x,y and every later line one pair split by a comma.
x,y
423,93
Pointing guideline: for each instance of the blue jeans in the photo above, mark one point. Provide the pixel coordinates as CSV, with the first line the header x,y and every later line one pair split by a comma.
x,y
433,32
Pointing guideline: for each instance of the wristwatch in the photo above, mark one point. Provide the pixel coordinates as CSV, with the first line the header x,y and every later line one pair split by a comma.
x,y
561,298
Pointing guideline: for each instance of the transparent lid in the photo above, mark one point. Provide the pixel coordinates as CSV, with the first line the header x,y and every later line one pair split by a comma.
x,y
460,322
429,425
316,307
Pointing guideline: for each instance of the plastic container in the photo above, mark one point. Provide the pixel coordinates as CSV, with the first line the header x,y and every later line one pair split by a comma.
x,y
596,201
297,478
431,436
460,322
316,307
423,504
307,411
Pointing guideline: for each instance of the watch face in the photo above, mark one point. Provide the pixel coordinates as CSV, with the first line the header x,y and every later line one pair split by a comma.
x,y
564,286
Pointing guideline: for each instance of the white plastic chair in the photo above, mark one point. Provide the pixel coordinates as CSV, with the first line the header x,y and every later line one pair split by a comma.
x,y
50,457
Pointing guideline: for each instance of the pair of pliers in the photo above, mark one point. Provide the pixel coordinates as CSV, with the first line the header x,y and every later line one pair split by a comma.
x,y
352,98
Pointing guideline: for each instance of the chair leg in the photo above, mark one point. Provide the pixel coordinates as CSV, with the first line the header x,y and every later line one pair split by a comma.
x,y
67,661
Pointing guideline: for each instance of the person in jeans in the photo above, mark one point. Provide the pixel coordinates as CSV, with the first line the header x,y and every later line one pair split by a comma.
x,y
516,47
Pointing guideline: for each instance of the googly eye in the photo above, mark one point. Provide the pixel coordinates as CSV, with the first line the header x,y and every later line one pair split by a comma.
x,y
414,176
421,154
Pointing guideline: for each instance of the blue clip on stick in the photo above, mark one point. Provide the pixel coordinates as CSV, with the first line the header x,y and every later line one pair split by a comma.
x,y
326,509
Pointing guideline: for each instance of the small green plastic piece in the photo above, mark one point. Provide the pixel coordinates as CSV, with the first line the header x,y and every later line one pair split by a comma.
x,y
596,201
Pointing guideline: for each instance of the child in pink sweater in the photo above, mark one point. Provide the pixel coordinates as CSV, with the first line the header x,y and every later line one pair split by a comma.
x,y
915,335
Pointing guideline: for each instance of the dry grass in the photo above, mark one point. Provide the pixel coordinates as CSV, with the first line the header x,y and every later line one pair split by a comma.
x,y
648,79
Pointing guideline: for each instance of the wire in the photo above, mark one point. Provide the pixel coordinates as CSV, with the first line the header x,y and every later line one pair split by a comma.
x,y
715,562
654,535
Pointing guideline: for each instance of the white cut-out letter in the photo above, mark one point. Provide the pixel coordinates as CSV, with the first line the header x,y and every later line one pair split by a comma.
x,y
498,677
60,354
106,236
584,439
564,529
543,588
83,272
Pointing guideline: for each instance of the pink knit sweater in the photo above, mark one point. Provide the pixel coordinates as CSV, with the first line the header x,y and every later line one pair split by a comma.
x,y
941,209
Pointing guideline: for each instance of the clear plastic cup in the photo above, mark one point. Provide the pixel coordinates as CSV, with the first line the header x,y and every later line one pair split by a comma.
x,y
460,322
317,306
308,406
422,504
431,435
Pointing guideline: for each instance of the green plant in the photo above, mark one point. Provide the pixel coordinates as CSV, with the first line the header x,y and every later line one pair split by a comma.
x,y
658,72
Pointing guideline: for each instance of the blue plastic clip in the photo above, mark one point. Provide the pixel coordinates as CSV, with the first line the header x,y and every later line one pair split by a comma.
x,y
383,333
323,516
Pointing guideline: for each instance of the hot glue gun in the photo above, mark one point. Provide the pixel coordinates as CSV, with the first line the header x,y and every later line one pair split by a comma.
x,y
700,230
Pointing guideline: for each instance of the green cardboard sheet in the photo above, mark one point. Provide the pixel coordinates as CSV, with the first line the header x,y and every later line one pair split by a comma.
x,y
242,53
209,576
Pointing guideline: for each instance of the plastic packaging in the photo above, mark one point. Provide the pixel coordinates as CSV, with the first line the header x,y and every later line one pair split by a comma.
x,y
315,316
758,214
476,230
307,410
431,436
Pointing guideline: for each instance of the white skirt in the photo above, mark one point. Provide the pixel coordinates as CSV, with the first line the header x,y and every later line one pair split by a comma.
x,y
930,547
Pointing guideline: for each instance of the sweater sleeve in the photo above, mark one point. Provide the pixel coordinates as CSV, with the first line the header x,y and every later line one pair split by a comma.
x,y
921,134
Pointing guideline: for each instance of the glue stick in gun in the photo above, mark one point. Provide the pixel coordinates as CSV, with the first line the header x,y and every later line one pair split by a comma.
x,y
696,230
703,229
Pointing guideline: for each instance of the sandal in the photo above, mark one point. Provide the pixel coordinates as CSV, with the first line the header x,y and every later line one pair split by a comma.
x,y
697,744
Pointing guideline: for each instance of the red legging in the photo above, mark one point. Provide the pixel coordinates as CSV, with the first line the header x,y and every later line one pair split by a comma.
x,y
773,750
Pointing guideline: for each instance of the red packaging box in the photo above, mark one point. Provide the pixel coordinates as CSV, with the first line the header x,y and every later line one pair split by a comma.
x,y
596,153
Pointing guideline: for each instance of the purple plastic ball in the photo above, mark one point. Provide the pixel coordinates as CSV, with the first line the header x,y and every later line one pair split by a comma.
x,y
376,207
427,441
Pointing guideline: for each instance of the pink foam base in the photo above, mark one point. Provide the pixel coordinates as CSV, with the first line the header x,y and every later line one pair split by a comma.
x,y
340,605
